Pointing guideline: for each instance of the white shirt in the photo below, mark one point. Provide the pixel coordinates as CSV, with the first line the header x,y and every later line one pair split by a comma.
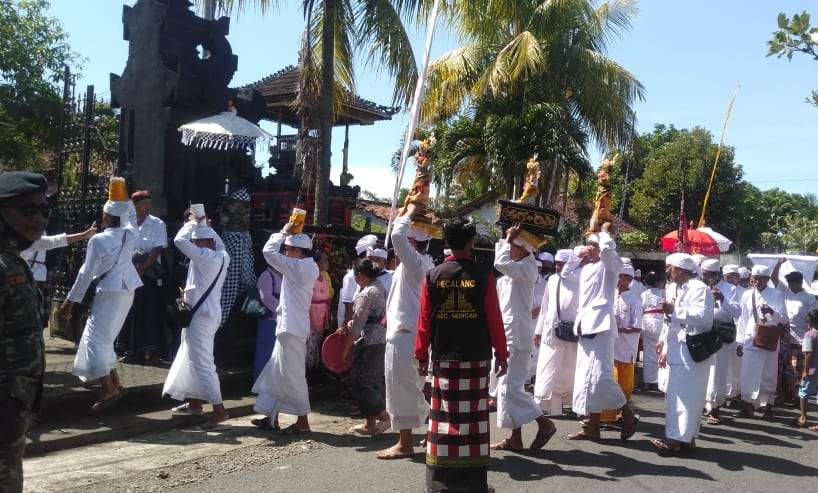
x,y
568,299
204,266
628,313
514,291
637,287
692,314
798,306
597,289
730,308
652,300
109,253
35,254
349,288
298,277
151,234
403,302
539,291
746,327
386,281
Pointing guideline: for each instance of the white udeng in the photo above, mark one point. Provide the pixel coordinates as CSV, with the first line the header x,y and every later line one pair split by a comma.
x,y
193,373
405,403
595,389
514,406
686,379
282,384
556,363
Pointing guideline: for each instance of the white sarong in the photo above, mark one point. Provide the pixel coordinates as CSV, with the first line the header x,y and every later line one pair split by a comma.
x,y
650,359
685,397
759,375
515,407
718,377
734,373
595,389
556,366
95,356
193,373
282,385
405,403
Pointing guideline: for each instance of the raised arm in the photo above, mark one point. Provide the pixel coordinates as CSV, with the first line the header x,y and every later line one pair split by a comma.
x,y
524,270
400,240
274,257
191,251
50,242
607,252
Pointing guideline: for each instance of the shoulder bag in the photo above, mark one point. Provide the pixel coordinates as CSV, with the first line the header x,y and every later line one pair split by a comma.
x,y
91,292
184,313
766,336
252,306
564,329
704,345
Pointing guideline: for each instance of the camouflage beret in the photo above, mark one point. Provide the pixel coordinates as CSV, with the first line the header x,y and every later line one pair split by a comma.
x,y
16,183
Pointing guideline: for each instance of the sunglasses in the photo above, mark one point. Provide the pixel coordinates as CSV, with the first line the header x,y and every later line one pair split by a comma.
x,y
31,210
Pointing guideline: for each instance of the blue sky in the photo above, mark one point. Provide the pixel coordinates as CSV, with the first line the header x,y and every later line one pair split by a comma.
x,y
689,55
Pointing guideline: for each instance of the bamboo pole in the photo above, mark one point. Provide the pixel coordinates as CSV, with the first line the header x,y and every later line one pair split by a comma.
x,y
718,154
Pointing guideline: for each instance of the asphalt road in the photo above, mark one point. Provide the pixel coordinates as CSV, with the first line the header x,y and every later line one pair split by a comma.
x,y
739,455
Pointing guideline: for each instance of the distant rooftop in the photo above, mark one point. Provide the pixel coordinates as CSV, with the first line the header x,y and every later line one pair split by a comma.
x,y
281,89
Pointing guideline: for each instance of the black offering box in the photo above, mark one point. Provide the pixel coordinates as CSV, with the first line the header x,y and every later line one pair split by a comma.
x,y
540,224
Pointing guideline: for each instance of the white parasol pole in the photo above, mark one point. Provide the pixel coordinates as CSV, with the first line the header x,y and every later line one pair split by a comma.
x,y
413,116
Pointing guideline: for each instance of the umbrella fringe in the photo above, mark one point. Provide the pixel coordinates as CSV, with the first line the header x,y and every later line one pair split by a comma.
x,y
207,140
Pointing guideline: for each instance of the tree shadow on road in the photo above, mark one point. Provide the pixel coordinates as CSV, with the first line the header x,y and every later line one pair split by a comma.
x,y
523,468
622,466
735,460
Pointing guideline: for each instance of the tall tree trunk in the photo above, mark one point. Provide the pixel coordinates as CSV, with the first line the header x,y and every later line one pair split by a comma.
x,y
326,114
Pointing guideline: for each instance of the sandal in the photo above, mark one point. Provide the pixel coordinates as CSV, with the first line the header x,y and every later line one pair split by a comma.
x,y
381,427
505,445
813,428
104,404
266,423
712,420
185,408
665,448
584,434
390,454
542,439
211,426
629,431
293,430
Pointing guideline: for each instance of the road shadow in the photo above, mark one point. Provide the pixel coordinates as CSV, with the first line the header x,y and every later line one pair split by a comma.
x,y
521,467
755,436
735,460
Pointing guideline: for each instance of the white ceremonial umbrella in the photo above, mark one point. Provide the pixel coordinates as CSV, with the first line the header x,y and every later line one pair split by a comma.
x,y
225,131
720,239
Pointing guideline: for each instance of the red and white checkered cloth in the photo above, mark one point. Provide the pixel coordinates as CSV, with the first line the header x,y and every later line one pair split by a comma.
x,y
458,435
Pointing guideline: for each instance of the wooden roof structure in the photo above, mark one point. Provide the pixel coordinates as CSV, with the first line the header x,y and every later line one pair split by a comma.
x,y
281,89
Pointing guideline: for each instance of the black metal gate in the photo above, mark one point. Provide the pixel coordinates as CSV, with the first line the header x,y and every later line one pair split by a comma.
x,y
79,198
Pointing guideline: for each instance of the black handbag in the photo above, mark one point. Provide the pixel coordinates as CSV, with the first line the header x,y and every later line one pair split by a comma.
x,y
704,345
726,330
184,312
564,329
252,306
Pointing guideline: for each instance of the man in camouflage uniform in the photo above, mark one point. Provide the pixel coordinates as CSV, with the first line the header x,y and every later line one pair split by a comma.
x,y
23,217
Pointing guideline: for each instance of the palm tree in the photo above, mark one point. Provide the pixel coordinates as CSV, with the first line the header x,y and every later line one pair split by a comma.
x,y
337,31
535,51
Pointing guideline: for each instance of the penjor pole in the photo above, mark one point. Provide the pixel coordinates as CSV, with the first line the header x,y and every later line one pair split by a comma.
x,y
718,154
413,116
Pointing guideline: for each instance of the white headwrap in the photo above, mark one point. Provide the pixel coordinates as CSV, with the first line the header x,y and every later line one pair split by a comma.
x,y
743,273
625,260
418,235
698,258
545,257
670,258
710,265
627,269
522,244
203,233
299,241
564,255
593,238
447,252
117,209
378,253
683,261
365,243
761,271
730,269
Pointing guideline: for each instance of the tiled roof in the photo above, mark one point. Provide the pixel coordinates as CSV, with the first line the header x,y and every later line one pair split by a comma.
x,y
375,208
281,88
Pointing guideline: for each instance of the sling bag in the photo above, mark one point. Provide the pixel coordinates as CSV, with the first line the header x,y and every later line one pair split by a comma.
x,y
766,336
184,313
564,330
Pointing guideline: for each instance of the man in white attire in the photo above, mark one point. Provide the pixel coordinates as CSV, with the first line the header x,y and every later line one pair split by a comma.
x,y
192,377
282,385
515,408
731,275
595,389
653,316
726,309
545,269
691,314
108,260
405,403
762,322
556,363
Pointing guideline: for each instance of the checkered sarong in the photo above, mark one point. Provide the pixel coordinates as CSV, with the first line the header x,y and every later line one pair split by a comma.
x,y
458,435
240,274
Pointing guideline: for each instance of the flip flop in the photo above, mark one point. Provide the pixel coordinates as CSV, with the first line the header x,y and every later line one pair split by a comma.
x,y
104,404
629,431
813,428
383,455
542,439
381,427
210,426
505,445
292,431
